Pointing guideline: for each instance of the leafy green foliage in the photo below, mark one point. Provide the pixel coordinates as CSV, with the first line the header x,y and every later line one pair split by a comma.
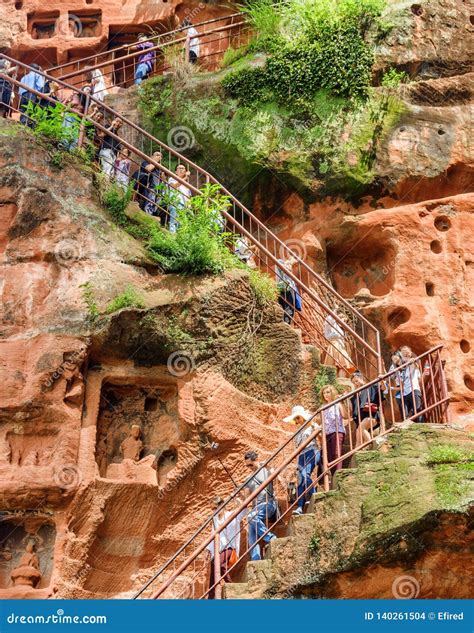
x,y
54,123
447,454
314,545
116,201
199,244
263,286
130,298
89,300
393,78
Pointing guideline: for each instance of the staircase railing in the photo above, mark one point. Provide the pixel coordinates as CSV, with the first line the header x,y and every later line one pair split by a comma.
x,y
369,413
125,49
358,344
119,70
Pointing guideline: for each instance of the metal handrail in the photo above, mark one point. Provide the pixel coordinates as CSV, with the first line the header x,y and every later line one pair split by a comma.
x,y
150,39
153,49
380,382
246,214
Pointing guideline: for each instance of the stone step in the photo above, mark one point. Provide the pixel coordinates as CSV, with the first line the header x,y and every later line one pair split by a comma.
x,y
238,591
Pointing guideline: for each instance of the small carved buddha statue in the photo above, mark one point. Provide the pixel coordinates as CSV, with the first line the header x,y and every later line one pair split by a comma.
x,y
27,571
132,446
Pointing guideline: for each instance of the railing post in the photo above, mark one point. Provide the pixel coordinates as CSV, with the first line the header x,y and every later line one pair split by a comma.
x,y
217,568
80,140
324,449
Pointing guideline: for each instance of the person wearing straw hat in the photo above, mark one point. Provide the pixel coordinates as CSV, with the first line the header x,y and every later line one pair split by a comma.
x,y
310,455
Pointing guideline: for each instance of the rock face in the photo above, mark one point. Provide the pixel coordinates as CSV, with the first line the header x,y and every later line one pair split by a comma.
x,y
71,29
200,364
396,525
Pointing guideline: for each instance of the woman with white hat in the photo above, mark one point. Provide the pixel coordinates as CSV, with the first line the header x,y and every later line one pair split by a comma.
x,y
310,455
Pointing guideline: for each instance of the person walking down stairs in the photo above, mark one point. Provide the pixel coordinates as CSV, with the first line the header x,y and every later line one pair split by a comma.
x,y
229,542
264,509
309,458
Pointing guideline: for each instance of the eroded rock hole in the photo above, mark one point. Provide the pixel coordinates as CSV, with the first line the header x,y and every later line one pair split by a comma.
x,y
465,346
441,131
19,5
430,289
469,382
471,19
151,404
417,9
436,247
442,223
168,457
398,317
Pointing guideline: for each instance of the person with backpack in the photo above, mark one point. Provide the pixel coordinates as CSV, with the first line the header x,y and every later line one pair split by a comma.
x,y
148,179
229,541
289,297
6,89
310,456
264,507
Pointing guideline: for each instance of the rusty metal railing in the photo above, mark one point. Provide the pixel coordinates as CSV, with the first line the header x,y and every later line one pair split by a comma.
x,y
118,71
337,431
158,38
357,343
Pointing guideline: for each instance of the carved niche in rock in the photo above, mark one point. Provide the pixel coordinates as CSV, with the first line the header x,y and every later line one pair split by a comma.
x,y
26,551
135,426
20,449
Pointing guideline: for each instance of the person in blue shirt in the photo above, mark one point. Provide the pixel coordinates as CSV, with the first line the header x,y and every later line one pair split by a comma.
x,y
31,81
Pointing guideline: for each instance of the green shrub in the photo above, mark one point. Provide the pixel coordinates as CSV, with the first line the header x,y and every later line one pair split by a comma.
x,y
89,300
49,123
393,78
314,545
232,55
127,299
263,286
116,201
199,245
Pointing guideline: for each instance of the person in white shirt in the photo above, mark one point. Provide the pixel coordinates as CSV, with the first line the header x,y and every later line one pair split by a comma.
x,y
181,195
336,353
229,541
309,456
410,386
192,41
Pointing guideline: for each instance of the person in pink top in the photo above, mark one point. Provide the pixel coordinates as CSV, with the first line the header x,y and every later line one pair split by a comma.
x,y
334,419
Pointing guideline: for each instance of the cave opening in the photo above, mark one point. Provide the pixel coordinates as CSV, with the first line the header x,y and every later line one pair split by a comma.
x,y
469,382
442,223
398,317
465,346
430,289
436,247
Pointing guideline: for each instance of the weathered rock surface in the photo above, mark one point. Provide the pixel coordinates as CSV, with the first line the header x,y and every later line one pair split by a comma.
x,y
395,527
201,363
